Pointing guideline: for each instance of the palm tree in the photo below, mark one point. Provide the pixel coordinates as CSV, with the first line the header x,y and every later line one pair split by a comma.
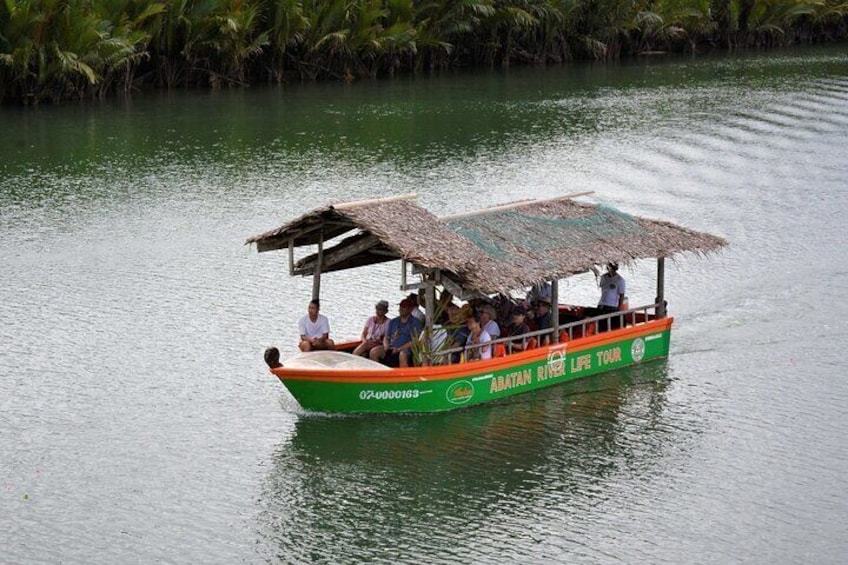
x,y
170,32
509,20
131,28
721,13
684,20
769,20
234,38
288,26
55,49
399,37
444,24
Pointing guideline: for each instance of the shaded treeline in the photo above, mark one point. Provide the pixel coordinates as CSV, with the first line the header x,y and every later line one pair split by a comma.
x,y
59,49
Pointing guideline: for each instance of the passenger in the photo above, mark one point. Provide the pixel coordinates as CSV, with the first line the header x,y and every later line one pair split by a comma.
x,y
476,304
540,290
314,329
458,329
518,328
272,357
503,306
442,307
613,289
530,314
396,350
544,319
488,317
416,311
477,336
374,330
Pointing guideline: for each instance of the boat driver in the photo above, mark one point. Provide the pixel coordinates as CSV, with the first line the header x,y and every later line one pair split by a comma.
x,y
613,288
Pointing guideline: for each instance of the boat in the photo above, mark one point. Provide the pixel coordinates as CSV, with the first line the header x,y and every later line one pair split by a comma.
x,y
491,252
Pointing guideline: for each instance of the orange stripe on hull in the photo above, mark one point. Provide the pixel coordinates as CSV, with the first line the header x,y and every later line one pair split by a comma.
x,y
446,372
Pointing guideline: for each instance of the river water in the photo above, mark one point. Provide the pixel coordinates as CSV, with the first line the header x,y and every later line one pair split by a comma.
x,y
139,424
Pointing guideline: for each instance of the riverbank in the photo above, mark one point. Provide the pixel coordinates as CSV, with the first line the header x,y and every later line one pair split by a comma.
x,y
53,51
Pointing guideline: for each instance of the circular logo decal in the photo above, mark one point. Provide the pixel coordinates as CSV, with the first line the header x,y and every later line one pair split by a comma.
x,y
460,392
637,349
556,361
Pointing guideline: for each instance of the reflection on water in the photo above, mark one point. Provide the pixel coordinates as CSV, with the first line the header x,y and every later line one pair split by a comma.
x,y
436,484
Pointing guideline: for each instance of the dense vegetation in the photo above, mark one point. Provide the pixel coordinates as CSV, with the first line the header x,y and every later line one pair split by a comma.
x,y
59,49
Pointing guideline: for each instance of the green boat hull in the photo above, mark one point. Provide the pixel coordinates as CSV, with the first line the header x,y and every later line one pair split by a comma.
x,y
479,383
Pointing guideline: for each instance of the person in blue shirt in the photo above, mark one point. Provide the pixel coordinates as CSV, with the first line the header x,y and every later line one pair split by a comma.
x,y
396,350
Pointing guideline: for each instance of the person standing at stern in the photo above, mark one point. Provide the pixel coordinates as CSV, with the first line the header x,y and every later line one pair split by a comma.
x,y
613,289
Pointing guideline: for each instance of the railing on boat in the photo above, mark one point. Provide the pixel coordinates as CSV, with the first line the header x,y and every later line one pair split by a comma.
x,y
560,333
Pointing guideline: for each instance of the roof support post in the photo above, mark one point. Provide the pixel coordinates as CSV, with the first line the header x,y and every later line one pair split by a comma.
x,y
403,274
660,287
291,256
316,276
555,310
429,314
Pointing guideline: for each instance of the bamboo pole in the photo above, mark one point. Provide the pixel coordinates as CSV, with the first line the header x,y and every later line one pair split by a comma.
x,y
429,314
660,287
344,205
512,205
291,256
555,310
316,277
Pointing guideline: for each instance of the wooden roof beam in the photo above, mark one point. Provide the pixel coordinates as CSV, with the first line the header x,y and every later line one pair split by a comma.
x,y
456,289
341,252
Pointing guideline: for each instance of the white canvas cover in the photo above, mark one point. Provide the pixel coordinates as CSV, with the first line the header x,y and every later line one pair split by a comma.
x,y
332,360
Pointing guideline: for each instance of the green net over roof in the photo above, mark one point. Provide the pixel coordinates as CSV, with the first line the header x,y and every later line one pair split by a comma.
x,y
509,235
495,250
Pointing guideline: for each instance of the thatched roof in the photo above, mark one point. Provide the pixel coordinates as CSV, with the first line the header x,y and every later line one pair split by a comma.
x,y
494,250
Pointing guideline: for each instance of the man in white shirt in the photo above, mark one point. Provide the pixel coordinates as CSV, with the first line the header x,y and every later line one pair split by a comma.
x,y
314,329
613,289
488,318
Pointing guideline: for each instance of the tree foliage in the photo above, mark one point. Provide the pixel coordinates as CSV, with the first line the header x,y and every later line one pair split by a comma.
x,y
60,49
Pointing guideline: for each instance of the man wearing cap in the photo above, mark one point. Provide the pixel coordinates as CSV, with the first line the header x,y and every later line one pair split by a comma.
x,y
374,330
544,319
613,289
518,327
539,290
396,350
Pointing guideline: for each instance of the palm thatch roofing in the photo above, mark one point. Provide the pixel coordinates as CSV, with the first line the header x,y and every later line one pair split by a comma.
x,y
494,250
